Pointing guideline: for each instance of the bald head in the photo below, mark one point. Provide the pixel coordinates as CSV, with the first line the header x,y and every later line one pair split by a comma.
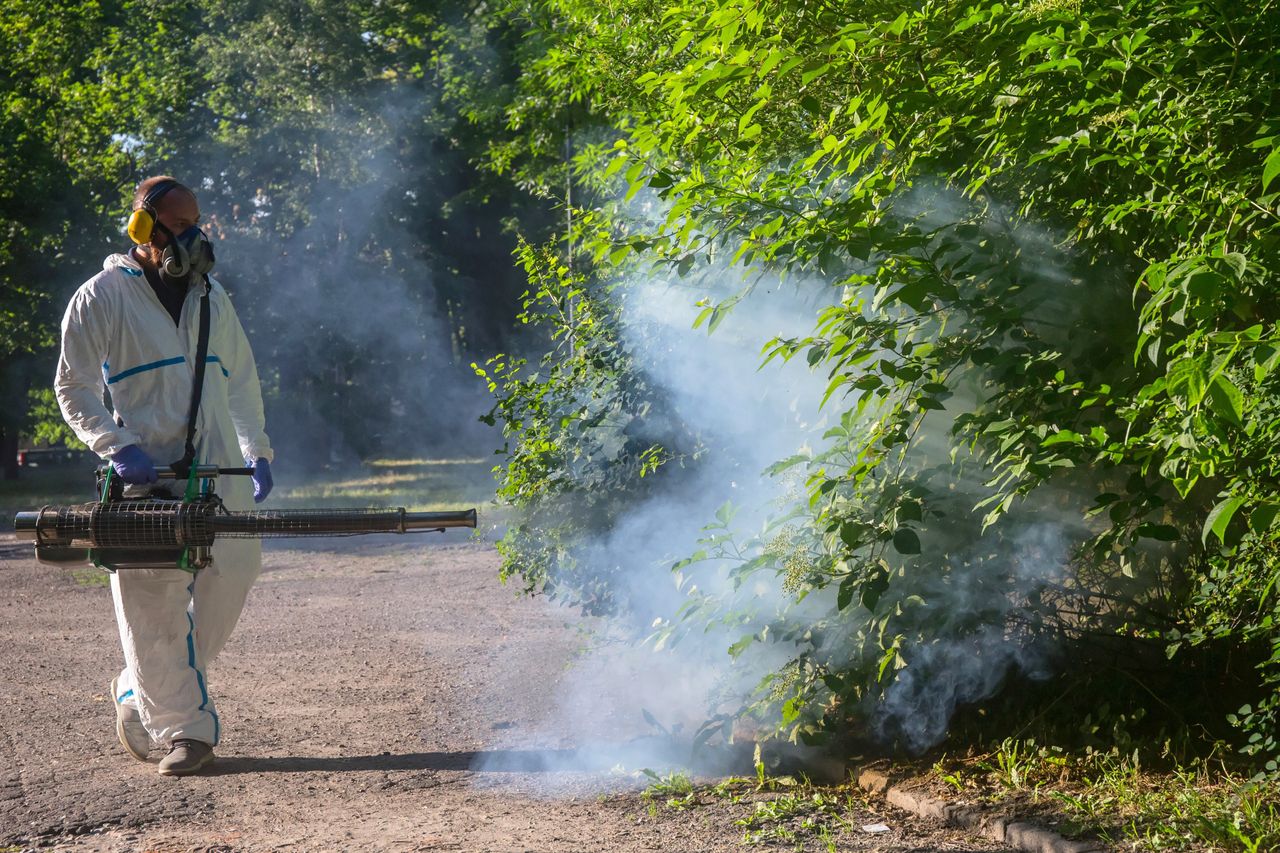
x,y
144,189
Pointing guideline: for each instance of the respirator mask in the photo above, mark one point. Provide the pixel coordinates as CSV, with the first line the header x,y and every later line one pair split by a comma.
x,y
186,255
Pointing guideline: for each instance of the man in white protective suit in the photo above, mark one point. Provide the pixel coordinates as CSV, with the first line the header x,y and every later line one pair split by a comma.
x,y
134,329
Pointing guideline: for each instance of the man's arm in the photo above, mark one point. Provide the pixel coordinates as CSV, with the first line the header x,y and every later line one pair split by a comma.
x,y
79,381
244,394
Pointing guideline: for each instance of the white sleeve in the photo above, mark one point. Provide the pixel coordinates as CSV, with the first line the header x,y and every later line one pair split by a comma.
x,y
79,382
244,392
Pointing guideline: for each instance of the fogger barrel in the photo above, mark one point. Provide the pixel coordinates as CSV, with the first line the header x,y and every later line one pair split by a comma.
x,y
170,523
161,531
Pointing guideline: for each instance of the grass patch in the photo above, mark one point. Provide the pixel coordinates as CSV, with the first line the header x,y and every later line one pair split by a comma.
x,y
1113,796
90,577
418,485
773,811
675,789
799,814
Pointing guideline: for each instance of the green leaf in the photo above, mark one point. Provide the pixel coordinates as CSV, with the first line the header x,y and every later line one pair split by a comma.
x,y
910,511
1238,263
1160,532
850,535
844,597
1271,168
891,656
652,720
905,541
1187,377
874,587
1219,517
1263,517
1226,399
1265,358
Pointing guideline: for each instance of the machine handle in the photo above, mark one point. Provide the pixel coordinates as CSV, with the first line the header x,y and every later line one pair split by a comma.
x,y
202,471
205,471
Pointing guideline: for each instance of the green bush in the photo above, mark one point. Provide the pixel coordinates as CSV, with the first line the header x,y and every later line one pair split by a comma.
x,y
1052,230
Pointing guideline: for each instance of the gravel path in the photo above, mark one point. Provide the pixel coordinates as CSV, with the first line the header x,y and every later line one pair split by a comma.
x,y
379,694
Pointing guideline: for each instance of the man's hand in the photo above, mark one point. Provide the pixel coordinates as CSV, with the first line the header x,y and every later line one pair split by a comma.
x,y
133,465
261,480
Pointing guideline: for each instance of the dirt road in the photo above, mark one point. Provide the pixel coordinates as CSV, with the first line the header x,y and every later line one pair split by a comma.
x,y
378,695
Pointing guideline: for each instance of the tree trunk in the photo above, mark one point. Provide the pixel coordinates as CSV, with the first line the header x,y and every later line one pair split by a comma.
x,y
9,453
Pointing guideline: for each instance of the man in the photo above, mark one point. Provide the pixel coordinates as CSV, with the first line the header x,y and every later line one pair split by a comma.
x,y
134,329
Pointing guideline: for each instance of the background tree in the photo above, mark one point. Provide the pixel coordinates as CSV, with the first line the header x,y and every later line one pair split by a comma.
x,y
74,85
330,149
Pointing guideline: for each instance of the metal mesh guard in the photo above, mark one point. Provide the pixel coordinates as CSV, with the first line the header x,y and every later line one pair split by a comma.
x,y
129,524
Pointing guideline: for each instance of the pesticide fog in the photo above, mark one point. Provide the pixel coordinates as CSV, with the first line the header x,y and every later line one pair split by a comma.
x,y
753,418
632,706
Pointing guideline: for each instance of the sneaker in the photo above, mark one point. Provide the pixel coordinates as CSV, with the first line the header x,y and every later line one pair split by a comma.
x,y
185,757
133,735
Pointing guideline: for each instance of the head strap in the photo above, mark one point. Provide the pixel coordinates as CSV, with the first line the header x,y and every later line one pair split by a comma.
x,y
158,192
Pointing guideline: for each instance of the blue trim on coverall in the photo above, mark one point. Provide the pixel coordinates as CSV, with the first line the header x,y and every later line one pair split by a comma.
x,y
191,662
143,368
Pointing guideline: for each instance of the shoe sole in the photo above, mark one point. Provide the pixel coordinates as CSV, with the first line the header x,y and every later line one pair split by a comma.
x,y
120,730
188,771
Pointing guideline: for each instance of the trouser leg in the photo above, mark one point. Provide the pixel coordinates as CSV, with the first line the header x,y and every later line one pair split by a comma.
x,y
126,690
220,593
171,626
157,635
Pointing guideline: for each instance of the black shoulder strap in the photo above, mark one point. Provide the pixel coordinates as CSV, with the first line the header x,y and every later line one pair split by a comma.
x,y
183,466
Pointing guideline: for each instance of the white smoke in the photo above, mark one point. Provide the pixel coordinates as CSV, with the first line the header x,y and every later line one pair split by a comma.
x,y
752,417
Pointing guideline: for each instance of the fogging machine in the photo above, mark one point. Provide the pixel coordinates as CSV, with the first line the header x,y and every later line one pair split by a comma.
x,y
163,531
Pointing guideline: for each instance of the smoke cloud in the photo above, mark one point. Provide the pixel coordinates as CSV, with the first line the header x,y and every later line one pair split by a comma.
x,y
752,417
350,293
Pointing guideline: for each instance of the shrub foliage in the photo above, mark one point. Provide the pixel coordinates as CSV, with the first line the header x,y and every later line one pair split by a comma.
x,y
1050,229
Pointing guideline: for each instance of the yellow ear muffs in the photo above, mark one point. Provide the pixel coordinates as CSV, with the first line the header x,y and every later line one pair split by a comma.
x,y
142,222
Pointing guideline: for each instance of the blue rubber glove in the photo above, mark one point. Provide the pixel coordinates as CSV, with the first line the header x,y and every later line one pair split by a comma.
x,y
133,465
261,480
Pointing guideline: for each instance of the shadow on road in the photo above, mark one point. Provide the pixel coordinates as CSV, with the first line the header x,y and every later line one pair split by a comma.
x,y
487,761
653,752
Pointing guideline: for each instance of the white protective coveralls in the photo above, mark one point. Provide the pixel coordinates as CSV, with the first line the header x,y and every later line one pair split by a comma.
x,y
117,332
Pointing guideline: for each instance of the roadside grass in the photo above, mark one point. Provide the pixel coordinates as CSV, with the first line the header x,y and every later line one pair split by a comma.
x,y
419,485
90,577
1111,796
1200,807
777,811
